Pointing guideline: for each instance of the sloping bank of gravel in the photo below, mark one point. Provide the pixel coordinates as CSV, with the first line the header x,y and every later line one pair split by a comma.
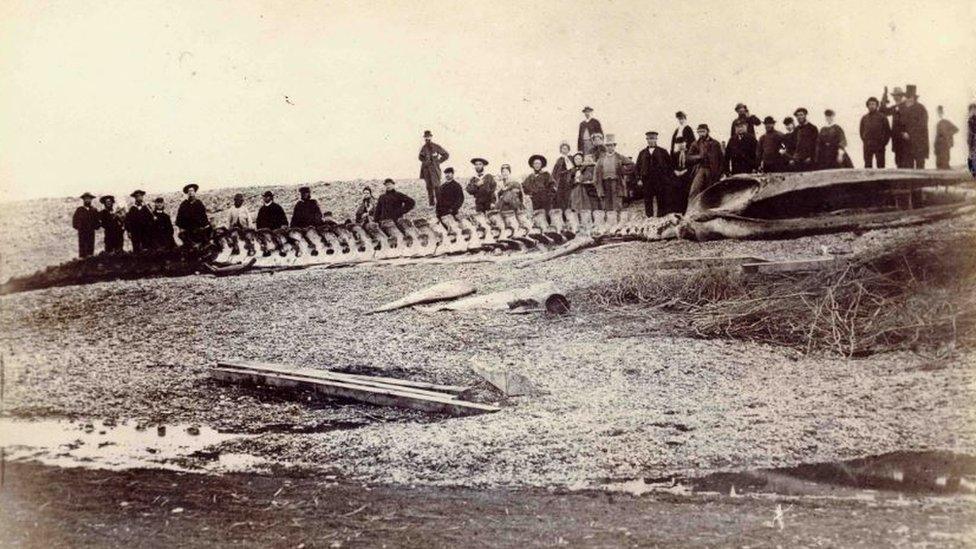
x,y
626,394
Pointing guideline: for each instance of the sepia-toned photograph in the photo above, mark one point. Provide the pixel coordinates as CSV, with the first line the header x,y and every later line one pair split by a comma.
x,y
325,274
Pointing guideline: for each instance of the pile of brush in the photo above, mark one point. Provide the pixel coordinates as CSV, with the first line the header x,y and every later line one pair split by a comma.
x,y
913,294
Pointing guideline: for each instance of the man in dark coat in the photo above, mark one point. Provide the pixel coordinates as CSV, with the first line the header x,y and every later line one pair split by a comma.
x,y
805,156
138,222
482,186
875,134
450,196
587,128
971,138
307,212
86,222
653,169
682,134
705,155
915,129
768,149
740,153
271,215
898,143
431,156
162,227
750,120
945,132
789,143
111,221
539,184
191,218
392,204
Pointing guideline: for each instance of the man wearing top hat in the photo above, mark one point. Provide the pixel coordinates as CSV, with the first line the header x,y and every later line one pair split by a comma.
x,y
587,128
112,221
431,156
191,218
450,195
271,215
481,186
138,222
307,212
743,117
653,169
86,222
914,129
162,226
539,185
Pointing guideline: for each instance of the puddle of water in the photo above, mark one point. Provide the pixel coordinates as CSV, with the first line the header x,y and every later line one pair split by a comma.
x,y
125,445
909,473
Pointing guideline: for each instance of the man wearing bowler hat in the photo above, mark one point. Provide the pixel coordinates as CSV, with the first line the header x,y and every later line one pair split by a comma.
x,y
654,171
86,222
804,157
112,221
431,156
743,117
875,134
768,149
587,128
481,186
191,218
138,222
271,215
307,212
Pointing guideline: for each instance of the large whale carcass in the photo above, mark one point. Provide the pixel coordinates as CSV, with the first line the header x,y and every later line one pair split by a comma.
x,y
754,206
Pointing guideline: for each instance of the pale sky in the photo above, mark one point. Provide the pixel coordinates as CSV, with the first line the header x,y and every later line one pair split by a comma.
x,y
109,96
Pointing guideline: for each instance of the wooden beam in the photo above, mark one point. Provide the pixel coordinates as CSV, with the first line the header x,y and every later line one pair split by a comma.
x,y
791,265
363,393
705,262
352,378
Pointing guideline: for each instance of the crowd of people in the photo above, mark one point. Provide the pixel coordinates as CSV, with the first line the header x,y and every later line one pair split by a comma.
x,y
594,176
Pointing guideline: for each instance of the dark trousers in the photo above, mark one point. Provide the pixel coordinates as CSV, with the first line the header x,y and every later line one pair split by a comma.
x,y
916,163
655,189
114,241
942,158
139,241
86,243
878,155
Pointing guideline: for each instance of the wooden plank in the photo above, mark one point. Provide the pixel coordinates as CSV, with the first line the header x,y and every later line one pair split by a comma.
x,y
329,374
705,262
362,393
790,266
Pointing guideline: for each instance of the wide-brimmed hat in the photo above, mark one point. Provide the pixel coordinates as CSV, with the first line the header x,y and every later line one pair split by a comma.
x,y
138,192
427,133
479,159
897,91
188,186
535,157
85,195
911,91
769,120
106,198
587,109
801,109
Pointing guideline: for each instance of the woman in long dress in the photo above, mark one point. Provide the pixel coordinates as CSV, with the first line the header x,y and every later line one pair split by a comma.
x,y
582,195
562,174
832,145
